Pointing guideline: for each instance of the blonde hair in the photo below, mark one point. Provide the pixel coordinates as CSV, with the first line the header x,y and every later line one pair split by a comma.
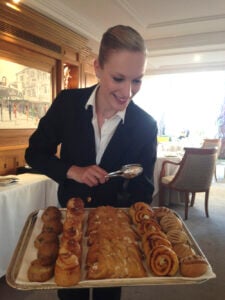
x,y
120,37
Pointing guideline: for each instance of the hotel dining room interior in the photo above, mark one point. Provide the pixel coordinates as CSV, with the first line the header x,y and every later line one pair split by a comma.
x,y
48,46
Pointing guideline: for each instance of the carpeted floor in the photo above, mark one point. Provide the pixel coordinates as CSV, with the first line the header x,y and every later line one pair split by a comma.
x,y
210,235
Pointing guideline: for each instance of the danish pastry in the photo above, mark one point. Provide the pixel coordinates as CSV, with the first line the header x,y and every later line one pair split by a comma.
x,y
163,261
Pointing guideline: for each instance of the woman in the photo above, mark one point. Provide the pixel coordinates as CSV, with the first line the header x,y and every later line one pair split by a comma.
x,y
100,129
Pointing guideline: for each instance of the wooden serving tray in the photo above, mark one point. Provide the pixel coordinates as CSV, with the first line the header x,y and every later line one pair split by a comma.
x,y
25,252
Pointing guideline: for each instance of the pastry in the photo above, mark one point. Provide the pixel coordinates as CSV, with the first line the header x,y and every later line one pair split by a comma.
x,y
161,211
153,239
113,250
176,236
170,222
72,229
51,213
148,225
163,261
67,270
183,249
75,205
70,245
38,272
193,266
47,253
53,225
140,211
45,237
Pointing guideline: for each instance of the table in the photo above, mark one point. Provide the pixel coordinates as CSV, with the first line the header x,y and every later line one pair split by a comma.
x,y
17,200
170,170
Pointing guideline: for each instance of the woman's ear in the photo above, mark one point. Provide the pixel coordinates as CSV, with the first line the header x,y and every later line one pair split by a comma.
x,y
97,68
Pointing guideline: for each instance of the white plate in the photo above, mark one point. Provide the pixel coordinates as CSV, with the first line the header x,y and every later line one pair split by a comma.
x,y
5,180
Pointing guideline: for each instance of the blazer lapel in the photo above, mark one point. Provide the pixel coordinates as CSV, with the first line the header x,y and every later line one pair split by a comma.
x,y
89,152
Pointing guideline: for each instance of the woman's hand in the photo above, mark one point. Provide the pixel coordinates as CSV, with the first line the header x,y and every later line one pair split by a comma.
x,y
90,175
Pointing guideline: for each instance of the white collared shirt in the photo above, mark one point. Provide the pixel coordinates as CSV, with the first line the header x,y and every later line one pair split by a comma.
x,y
103,135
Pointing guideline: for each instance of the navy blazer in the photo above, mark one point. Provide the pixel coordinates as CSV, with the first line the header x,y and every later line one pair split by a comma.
x,y
68,122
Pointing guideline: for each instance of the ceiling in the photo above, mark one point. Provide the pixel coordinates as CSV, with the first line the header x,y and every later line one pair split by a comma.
x,y
181,35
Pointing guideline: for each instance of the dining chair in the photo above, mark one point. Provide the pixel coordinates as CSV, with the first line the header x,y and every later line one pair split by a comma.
x,y
213,143
194,175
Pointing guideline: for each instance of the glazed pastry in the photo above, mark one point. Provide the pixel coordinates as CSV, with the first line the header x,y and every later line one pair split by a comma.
x,y
183,249
39,273
67,270
193,266
140,211
148,225
170,222
153,239
161,211
163,261
75,204
70,245
113,250
176,236
140,206
72,229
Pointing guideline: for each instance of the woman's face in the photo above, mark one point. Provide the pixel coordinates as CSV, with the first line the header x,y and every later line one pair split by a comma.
x,y
120,79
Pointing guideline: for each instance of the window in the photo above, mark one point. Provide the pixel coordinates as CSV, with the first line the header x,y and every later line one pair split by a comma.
x,y
184,101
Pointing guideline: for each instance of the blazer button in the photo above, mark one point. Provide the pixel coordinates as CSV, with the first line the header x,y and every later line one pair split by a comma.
x,y
89,199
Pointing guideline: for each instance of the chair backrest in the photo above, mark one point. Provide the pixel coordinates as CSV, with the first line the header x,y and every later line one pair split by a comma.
x,y
212,143
196,170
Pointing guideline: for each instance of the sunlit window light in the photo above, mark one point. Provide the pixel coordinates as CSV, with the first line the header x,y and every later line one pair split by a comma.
x,y
12,6
197,58
181,101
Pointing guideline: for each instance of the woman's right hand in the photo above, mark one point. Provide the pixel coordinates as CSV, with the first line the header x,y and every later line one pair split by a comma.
x,y
90,175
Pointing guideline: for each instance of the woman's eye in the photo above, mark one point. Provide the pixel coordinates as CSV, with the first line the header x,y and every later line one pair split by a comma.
x,y
137,81
117,79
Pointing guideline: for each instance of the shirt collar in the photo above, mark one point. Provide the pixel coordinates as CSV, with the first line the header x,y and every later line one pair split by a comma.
x,y
91,102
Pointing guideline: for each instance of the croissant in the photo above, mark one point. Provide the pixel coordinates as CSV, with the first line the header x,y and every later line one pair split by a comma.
x,y
163,261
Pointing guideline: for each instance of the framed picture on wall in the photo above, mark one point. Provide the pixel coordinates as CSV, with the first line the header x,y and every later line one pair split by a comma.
x,y
25,95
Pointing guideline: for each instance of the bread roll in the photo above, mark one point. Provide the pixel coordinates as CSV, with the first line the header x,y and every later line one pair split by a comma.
x,y
51,213
38,272
47,253
193,266
45,237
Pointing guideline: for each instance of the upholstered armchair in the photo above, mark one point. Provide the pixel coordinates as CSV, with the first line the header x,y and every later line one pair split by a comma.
x,y
194,175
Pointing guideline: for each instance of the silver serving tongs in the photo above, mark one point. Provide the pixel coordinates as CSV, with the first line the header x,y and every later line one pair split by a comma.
x,y
127,171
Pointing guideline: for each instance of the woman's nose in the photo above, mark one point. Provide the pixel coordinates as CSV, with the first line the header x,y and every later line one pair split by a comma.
x,y
127,90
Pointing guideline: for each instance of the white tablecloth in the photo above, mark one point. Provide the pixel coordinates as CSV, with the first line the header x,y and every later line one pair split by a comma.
x,y
32,192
